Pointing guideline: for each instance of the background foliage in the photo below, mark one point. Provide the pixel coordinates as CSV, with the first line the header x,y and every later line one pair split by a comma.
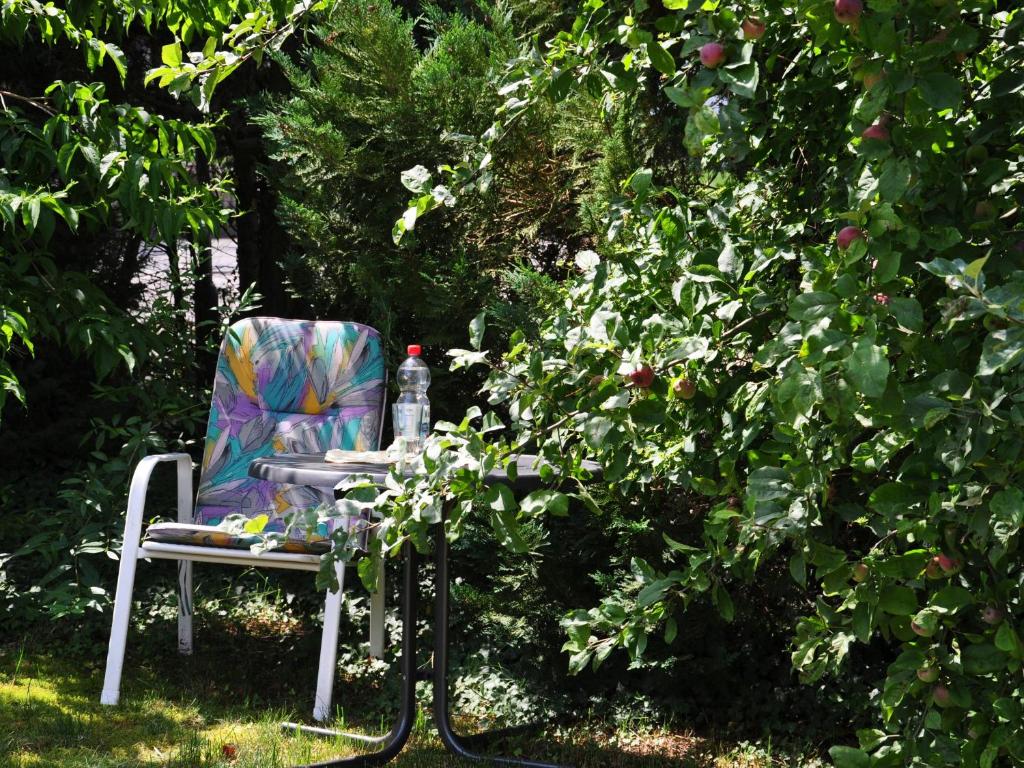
x,y
376,91
806,328
810,440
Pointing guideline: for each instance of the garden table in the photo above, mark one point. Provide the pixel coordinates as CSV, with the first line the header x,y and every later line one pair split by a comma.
x,y
311,469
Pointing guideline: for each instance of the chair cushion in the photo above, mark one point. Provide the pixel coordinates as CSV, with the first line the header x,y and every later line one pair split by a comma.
x,y
286,386
212,536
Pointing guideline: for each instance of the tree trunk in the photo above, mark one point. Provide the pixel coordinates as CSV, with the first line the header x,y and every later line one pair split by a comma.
x,y
273,242
247,223
205,303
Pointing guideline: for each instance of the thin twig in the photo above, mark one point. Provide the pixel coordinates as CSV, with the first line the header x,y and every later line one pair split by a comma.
x,y
38,103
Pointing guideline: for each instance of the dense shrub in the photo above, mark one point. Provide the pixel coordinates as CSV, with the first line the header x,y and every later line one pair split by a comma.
x,y
374,93
810,327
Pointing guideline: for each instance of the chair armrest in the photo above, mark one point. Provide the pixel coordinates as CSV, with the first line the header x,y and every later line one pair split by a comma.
x,y
140,485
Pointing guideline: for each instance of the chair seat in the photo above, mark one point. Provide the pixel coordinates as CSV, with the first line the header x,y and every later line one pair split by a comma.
x,y
213,536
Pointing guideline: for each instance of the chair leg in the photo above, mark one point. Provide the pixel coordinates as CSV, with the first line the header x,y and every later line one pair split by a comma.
x,y
329,650
119,627
185,607
377,615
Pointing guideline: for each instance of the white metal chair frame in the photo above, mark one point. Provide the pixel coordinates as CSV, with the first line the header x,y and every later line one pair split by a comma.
x,y
136,549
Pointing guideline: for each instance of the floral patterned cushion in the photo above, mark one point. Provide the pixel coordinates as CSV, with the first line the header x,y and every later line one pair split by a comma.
x,y
213,536
287,386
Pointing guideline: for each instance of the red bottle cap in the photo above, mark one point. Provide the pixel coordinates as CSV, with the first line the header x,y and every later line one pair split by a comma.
x,y
414,350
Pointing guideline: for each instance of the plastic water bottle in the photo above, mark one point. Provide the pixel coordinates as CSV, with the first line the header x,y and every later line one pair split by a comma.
x,y
413,380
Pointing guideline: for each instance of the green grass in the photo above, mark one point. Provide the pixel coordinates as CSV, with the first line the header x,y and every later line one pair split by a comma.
x,y
50,717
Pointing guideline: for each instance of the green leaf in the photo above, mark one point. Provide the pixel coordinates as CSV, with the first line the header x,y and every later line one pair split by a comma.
x,y
508,531
814,305
1008,641
118,60
661,58
879,32
951,599
1007,511
680,96
849,757
545,500
476,330
894,180
720,597
417,180
256,524
499,497
892,498
939,90
942,239
862,622
982,659
596,430
1002,349
742,79
671,629
907,312
973,270
30,214
653,592
867,368
769,483
798,569
874,454
170,54
898,601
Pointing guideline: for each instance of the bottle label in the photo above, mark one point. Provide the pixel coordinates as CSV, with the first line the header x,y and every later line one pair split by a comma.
x,y
408,420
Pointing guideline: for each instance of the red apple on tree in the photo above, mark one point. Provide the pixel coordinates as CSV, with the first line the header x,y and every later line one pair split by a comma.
x,y
991,615
712,54
871,79
921,630
934,569
941,695
928,674
847,235
949,565
860,572
984,210
685,389
876,132
753,28
643,376
848,11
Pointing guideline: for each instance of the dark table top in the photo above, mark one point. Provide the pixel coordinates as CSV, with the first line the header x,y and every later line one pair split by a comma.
x,y
311,469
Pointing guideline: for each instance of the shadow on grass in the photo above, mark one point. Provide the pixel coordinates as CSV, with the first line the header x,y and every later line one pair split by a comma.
x,y
221,709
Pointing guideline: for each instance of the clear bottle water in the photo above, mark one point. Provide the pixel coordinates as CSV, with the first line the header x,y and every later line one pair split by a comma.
x,y
413,380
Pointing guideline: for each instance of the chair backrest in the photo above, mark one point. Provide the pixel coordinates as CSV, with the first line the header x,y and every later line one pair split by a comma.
x,y
287,386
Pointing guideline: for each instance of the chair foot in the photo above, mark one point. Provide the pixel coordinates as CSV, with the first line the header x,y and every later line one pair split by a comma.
x,y
332,733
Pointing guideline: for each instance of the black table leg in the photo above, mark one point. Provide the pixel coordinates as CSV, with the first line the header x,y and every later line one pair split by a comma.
x,y
452,742
399,733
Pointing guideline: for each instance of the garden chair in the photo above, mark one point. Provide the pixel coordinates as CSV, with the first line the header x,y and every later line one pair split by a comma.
x,y
280,386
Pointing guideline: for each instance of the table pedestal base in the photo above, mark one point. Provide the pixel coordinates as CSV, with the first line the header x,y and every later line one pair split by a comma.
x,y
453,742
399,734
396,738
